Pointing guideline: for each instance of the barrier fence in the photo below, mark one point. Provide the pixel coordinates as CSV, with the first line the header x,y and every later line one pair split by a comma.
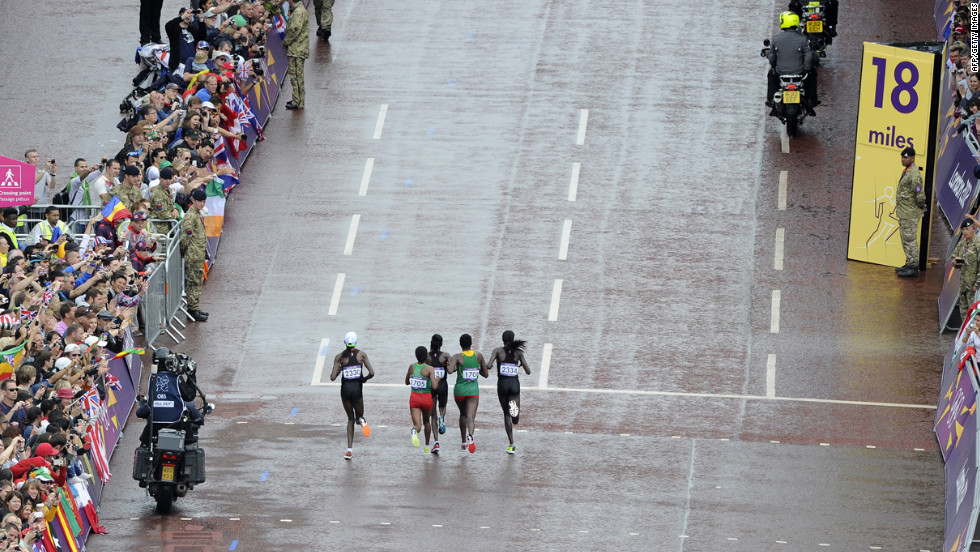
x,y
164,297
161,309
956,192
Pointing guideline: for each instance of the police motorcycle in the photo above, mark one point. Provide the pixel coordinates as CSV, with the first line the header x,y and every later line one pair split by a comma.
x,y
813,24
169,461
789,101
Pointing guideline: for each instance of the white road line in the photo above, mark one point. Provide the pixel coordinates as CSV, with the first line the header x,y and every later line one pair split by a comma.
x,y
337,288
366,179
321,358
491,387
780,239
771,376
555,298
690,487
573,185
351,234
583,120
566,233
545,366
774,319
783,179
381,121
784,138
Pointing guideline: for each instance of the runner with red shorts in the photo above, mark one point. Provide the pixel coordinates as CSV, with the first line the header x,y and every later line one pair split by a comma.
x,y
421,377
468,365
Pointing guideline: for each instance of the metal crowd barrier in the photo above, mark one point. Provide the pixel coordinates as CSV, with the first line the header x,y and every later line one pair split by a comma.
x,y
165,291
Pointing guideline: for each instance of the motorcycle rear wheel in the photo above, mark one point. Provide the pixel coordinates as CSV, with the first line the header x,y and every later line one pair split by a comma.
x,y
165,499
792,126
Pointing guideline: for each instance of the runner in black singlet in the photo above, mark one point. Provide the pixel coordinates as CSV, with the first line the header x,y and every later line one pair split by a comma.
x,y
351,363
440,396
509,359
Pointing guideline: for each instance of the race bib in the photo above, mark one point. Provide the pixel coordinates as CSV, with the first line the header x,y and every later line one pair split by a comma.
x,y
417,382
440,372
508,370
470,374
352,372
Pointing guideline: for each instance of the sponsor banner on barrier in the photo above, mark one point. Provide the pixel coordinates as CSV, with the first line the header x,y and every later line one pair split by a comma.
x,y
950,371
950,295
961,488
16,182
958,402
956,185
894,112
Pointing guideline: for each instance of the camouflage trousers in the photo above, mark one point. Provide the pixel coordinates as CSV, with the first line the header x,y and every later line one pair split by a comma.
x,y
194,283
295,71
908,229
324,13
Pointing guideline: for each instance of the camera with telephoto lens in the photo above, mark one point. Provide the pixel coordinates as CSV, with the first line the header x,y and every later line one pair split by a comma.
x,y
179,364
256,66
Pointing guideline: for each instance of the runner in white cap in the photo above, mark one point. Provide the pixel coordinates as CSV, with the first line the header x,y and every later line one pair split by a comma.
x,y
351,363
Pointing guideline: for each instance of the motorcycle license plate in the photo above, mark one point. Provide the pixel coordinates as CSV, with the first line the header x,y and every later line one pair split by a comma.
x,y
167,474
814,26
791,96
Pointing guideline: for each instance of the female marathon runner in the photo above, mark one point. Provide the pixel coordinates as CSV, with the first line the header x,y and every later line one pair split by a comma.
x,y
509,359
422,378
350,362
466,392
440,394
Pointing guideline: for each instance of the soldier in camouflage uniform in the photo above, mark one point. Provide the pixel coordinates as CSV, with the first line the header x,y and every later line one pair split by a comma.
x,y
297,43
129,191
910,204
193,246
162,201
966,257
324,17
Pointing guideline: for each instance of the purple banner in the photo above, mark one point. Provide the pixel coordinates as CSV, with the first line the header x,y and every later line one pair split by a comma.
x,y
949,297
956,187
950,375
961,488
958,402
944,16
119,404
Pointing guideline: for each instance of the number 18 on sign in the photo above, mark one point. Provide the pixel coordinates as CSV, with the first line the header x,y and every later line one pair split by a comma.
x,y
894,112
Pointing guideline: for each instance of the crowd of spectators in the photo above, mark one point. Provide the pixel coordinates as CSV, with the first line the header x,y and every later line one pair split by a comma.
x,y
177,122
64,317
964,79
71,279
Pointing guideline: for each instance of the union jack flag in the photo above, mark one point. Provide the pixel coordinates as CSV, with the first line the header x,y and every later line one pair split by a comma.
x,y
280,26
244,111
98,452
27,316
113,382
10,359
90,401
220,159
47,296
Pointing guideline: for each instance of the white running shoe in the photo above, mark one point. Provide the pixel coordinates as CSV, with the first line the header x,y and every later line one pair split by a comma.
x,y
515,410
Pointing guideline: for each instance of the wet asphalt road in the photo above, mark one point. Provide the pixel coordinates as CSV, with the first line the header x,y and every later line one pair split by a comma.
x,y
664,304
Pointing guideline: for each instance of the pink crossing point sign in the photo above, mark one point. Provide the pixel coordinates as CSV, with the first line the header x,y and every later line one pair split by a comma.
x,y
16,182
